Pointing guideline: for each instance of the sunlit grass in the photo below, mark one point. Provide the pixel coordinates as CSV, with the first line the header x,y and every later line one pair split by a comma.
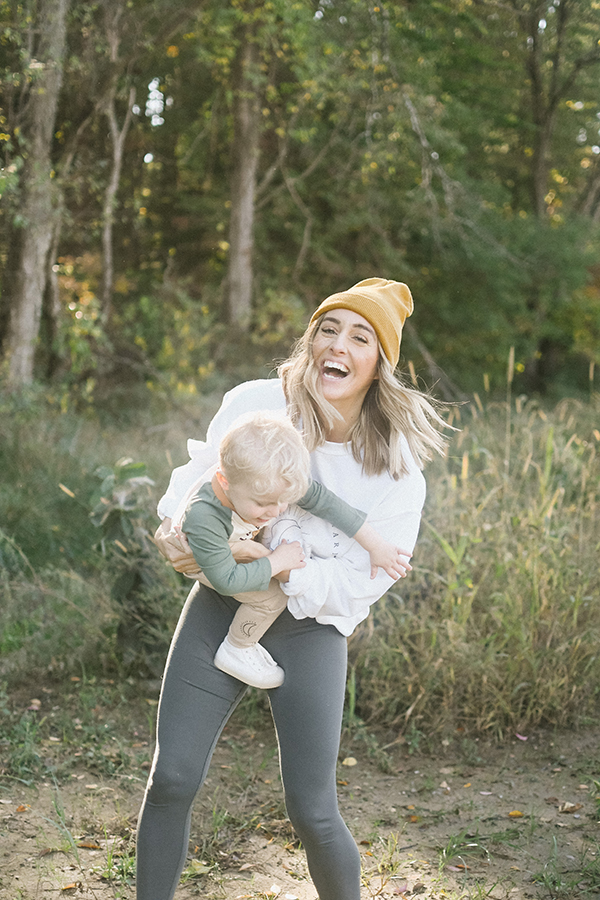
x,y
498,626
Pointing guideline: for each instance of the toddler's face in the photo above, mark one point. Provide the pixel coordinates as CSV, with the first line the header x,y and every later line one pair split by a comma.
x,y
257,511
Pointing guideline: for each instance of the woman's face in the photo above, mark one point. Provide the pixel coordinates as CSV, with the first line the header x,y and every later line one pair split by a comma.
x,y
346,353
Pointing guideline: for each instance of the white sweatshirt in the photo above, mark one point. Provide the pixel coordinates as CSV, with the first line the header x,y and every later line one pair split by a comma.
x,y
335,588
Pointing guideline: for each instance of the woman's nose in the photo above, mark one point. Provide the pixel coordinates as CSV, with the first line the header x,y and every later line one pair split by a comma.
x,y
338,342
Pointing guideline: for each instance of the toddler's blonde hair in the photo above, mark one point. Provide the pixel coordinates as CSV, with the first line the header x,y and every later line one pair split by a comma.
x,y
265,452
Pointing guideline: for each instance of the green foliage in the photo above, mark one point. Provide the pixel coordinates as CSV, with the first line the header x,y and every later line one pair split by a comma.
x,y
404,140
122,509
43,478
70,594
118,504
55,621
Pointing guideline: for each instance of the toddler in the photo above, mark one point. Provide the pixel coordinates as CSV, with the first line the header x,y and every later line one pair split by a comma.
x,y
263,468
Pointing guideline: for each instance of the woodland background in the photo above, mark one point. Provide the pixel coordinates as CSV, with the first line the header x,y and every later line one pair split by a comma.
x,y
176,172
181,185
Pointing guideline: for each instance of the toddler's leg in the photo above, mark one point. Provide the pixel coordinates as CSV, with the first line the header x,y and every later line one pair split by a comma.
x,y
257,613
240,654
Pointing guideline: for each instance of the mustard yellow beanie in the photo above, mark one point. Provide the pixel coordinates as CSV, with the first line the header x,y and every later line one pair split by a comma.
x,y
384,304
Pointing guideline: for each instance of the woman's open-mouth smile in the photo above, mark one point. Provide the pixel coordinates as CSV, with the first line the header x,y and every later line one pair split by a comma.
x,y
335,370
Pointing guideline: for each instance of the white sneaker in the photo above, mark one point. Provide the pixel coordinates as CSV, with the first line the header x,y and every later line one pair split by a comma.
x,y
252,665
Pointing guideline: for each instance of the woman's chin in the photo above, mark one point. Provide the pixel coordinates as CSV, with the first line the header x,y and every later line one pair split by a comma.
x,y
334,388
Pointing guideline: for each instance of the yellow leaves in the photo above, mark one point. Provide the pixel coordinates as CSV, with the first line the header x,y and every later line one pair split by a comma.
x,y
172,51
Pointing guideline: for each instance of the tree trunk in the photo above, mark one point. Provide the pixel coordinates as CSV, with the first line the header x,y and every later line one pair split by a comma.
x,y
38,194
118,142
243,185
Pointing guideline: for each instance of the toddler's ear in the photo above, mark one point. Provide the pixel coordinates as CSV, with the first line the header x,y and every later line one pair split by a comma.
x,y
222,480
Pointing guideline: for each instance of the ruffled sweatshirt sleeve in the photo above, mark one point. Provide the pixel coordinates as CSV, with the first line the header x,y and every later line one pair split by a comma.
x,y
264,395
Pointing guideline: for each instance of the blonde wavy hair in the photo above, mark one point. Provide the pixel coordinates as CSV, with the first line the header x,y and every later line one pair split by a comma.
x,y
390,410
266,454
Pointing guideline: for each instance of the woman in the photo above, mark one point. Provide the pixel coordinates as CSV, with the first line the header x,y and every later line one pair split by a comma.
x,y
369,437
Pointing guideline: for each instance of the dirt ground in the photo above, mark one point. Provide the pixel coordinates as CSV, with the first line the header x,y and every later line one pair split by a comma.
x,y
462,818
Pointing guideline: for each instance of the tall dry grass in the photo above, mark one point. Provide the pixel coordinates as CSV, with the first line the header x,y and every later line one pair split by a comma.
x,y
498,626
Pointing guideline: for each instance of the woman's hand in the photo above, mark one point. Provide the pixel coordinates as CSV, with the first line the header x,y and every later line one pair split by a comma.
x,y
247,551
173,545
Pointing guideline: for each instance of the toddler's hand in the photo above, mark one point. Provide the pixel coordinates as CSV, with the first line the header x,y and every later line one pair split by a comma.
x,y
247,551
287,556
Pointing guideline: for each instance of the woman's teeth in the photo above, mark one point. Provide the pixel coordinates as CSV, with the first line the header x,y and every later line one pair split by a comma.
x,y
336,370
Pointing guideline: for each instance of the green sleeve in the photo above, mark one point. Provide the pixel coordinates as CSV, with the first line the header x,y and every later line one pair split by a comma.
x,y
207,526
323,503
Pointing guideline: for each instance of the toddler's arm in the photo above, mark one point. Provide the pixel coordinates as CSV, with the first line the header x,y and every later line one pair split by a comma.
x,y
384,555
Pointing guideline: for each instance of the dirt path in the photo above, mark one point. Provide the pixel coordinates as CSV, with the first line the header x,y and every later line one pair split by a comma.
x,y
470,821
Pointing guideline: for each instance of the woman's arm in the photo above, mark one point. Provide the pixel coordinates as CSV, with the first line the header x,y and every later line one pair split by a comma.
x,y
339,590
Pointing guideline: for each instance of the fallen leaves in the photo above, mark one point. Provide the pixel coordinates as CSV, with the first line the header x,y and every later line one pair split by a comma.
x,y
567,807
564,806
197,867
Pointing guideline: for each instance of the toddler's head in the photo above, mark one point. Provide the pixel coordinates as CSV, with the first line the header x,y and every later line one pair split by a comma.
x,y
263,466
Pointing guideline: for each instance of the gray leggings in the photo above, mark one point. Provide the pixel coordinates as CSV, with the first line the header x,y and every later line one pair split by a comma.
x,y
196,702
